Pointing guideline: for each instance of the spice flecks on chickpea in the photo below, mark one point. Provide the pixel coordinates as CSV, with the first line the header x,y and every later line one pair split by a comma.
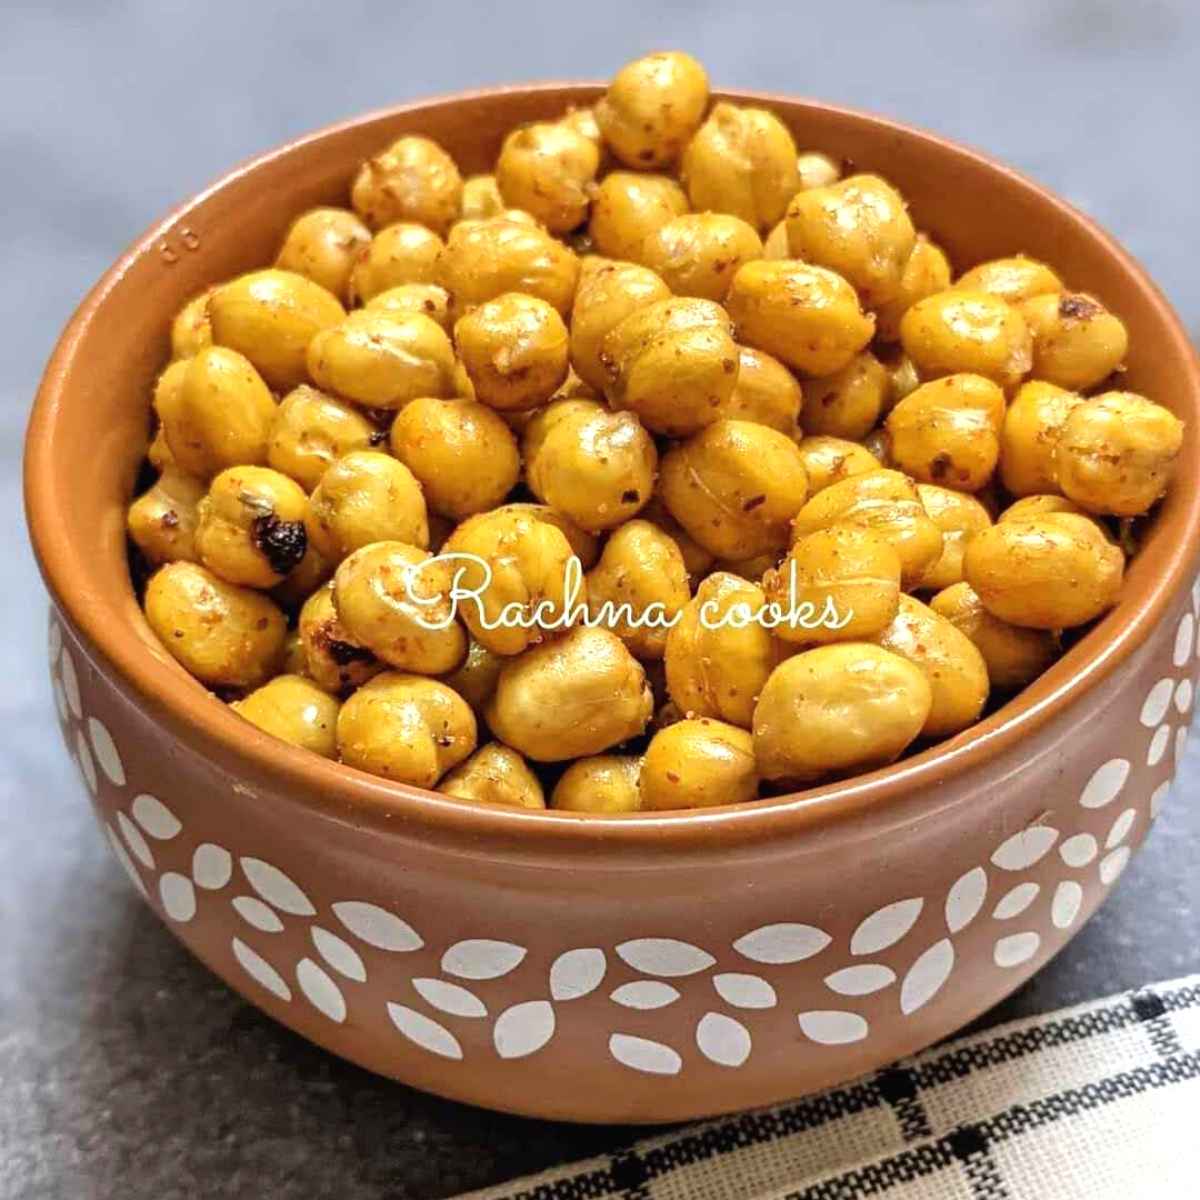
x,y
310,430
428,299
191,330
332,660
848,403
323,245
1013,279
294,710
1077,342
959,517
495,774
414,179
1029,436
546,168
602,783
766,393
829,460
698,253
162,520
396,255
698,764
926,272
627,207
652,108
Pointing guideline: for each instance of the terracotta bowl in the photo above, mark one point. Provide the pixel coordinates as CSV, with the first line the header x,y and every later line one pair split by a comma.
x,y
646,968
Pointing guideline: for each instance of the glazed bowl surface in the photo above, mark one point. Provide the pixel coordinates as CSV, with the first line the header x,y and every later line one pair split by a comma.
x,y
646,968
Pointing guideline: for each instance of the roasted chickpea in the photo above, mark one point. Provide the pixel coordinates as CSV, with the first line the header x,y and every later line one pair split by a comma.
x,y
829,460
310,430
486,259
481,198
585,546
959,517
547,168
428,299
475,678
191,331
698,253
885,502
528,559
576,695
734,487
947,431
383,359
295,710
604,783
251,526
775,244
162,520
698,764
1014,656
1013,279
461,453
1029,436
366,497
1077,342
848,403
1050,572
697,560
817,170
840,584
1039,506
766,393
405,728
515,350
1116,453
742,161
224,635
322,245
838,709
494,774
804,315
858,227
642,583
401,253
271,317
674,363
652,108
583,120
628,206
960,330
926,272
414,179
216,412
333,661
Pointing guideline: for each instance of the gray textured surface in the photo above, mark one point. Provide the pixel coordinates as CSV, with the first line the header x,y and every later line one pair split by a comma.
x,y
125,1070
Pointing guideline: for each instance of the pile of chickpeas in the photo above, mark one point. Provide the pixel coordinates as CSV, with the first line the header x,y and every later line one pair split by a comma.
x,y
662,340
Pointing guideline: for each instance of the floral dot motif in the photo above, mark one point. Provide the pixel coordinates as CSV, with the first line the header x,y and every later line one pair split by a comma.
x,y
1183,640
260,970
155,818
276,888
377,927
339,954
885,927
449,998
425,1032
212,866
1158,745
1016,948
783,943
645,994
1158,700
1183,697
1105,784
106,751
863,979
577,973
1068,899
1120,828
1023,849
1111,865
137,844
70,682
122,856
965,899
254,912
744,991
833,1028
665,956
723,1040
523,1029
1014,902
177,895
87,764
1079,850
643,1054
926,976
320,990
482,958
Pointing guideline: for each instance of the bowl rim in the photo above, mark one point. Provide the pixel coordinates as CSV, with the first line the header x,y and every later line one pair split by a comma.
x,y
346,794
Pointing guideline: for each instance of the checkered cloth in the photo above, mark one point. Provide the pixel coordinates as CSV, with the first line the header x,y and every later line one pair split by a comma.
x,y
1087,1103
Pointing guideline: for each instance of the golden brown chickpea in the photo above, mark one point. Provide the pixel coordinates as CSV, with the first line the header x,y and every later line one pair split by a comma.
x,y
383,359
926,272
742,161
333,661
652,108
216,412
414,179
1116,453
836,710
829,460
674,363
754,568
1030,434
959,517
395,600
251,526
604,783
191,331
475,679
366,497
428,299
641,583
515,351
322,245
547,169
485,259
585,546
1050,572
462,454
840,584
698,764
953,665
960,330
946,432
697,560
295,710
1039,506
162,520
577,695
848,403
406,728
766,393
858,227
1077,342
734,487
608,292
224,635
1012,279
698,253
583,120
495,774
627,207
775,244
271,317
817,170
594,466
310,430
806,316
1014,656
885,502
401,253
528,560
481,198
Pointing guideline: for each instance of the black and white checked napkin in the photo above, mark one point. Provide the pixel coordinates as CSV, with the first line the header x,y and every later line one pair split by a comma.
x,y
1094,1102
